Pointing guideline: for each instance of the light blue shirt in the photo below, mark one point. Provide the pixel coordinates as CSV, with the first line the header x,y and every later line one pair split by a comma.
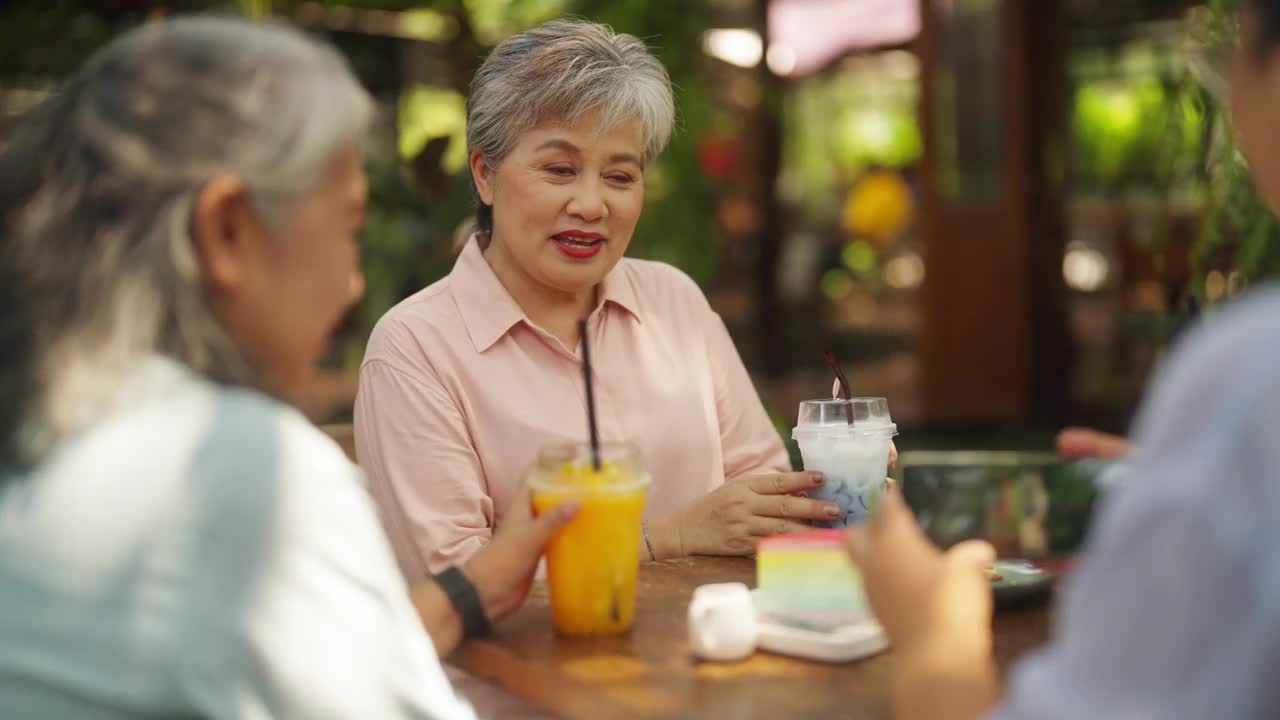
x,y
204,551
1174,611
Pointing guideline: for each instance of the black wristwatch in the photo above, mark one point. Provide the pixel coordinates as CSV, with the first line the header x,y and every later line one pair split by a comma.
x,y
466,601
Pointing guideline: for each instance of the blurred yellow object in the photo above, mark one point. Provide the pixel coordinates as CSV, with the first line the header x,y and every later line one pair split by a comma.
x,y
581,476
878,208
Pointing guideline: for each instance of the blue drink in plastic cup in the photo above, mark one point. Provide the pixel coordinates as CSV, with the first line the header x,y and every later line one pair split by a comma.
x,y
848,442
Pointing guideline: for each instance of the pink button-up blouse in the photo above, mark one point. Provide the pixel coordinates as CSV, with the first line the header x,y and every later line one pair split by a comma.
x,y
459,390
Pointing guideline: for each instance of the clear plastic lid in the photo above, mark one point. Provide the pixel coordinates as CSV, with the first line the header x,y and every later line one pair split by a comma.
x,y
864,415
568,467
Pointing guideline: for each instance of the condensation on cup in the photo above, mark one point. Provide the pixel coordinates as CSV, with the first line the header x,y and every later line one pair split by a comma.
x,y
848,442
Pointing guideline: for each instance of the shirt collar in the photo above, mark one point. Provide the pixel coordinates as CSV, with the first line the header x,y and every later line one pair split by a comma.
x,y
618,288
488,310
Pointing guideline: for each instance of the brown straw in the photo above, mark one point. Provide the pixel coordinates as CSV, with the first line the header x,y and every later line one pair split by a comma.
x,y
591,398
843,382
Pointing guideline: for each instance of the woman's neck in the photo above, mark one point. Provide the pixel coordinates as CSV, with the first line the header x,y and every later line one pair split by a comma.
x,y
555,311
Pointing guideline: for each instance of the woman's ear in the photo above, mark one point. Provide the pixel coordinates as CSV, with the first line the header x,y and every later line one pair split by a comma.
x,y
482,176
223,227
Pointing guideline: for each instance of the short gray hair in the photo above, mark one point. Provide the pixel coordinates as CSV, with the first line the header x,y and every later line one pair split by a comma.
x,y
556,72
97,265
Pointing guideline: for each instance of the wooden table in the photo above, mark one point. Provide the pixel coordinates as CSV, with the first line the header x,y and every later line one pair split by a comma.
x,y
650,673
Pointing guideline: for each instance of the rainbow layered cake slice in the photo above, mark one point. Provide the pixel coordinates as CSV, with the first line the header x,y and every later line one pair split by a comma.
x,y
809,577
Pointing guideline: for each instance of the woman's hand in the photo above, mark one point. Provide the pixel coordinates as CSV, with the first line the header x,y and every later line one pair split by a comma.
x,y
1088,443
732,518
936,608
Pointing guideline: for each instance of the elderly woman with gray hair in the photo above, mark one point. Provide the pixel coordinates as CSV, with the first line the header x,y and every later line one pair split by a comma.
x,y
464,381
180,228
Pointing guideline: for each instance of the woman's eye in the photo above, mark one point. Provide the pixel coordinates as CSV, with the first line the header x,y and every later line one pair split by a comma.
x,y
561,171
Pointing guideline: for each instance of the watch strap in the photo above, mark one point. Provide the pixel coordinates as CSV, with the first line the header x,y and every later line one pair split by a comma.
x,y
466,601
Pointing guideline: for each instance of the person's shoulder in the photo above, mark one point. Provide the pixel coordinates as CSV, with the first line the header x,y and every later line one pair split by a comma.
x,y
231,453
666,283
250,438
1256,314
659,274
420,321
1236,345
1220,385
430,307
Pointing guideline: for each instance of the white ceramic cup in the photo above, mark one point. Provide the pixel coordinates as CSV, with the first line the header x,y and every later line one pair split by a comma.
x,y
722,622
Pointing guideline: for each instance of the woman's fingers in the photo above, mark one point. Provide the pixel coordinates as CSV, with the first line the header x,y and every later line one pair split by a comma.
x,y
784,483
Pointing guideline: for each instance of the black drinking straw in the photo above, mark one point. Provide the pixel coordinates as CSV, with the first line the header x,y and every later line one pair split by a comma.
x,y
843,393
591,397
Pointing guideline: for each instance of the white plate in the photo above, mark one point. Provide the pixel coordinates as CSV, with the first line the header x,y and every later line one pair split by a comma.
x,y
817,638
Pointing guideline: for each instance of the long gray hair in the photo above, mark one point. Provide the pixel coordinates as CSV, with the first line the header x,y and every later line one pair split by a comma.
x,y
97,262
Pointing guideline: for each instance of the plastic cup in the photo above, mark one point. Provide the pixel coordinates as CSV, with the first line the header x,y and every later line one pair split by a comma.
x,y
848,442
593,561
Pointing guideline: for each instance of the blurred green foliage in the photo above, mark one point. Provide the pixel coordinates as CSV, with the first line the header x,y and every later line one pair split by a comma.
x,y
48,39
1144,131
419,190
1239,227
1153,120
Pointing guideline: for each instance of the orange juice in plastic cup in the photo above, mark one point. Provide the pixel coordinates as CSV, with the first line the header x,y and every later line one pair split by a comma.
x,y
592,562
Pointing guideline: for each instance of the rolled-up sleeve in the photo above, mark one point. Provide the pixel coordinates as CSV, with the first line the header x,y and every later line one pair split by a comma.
x,y
423,470
749,441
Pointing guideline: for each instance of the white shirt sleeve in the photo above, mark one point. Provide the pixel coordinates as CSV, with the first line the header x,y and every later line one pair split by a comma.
x,y
1174,611
298,610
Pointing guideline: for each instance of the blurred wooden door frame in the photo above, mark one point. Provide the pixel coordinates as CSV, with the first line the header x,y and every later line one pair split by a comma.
x,y
992,346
